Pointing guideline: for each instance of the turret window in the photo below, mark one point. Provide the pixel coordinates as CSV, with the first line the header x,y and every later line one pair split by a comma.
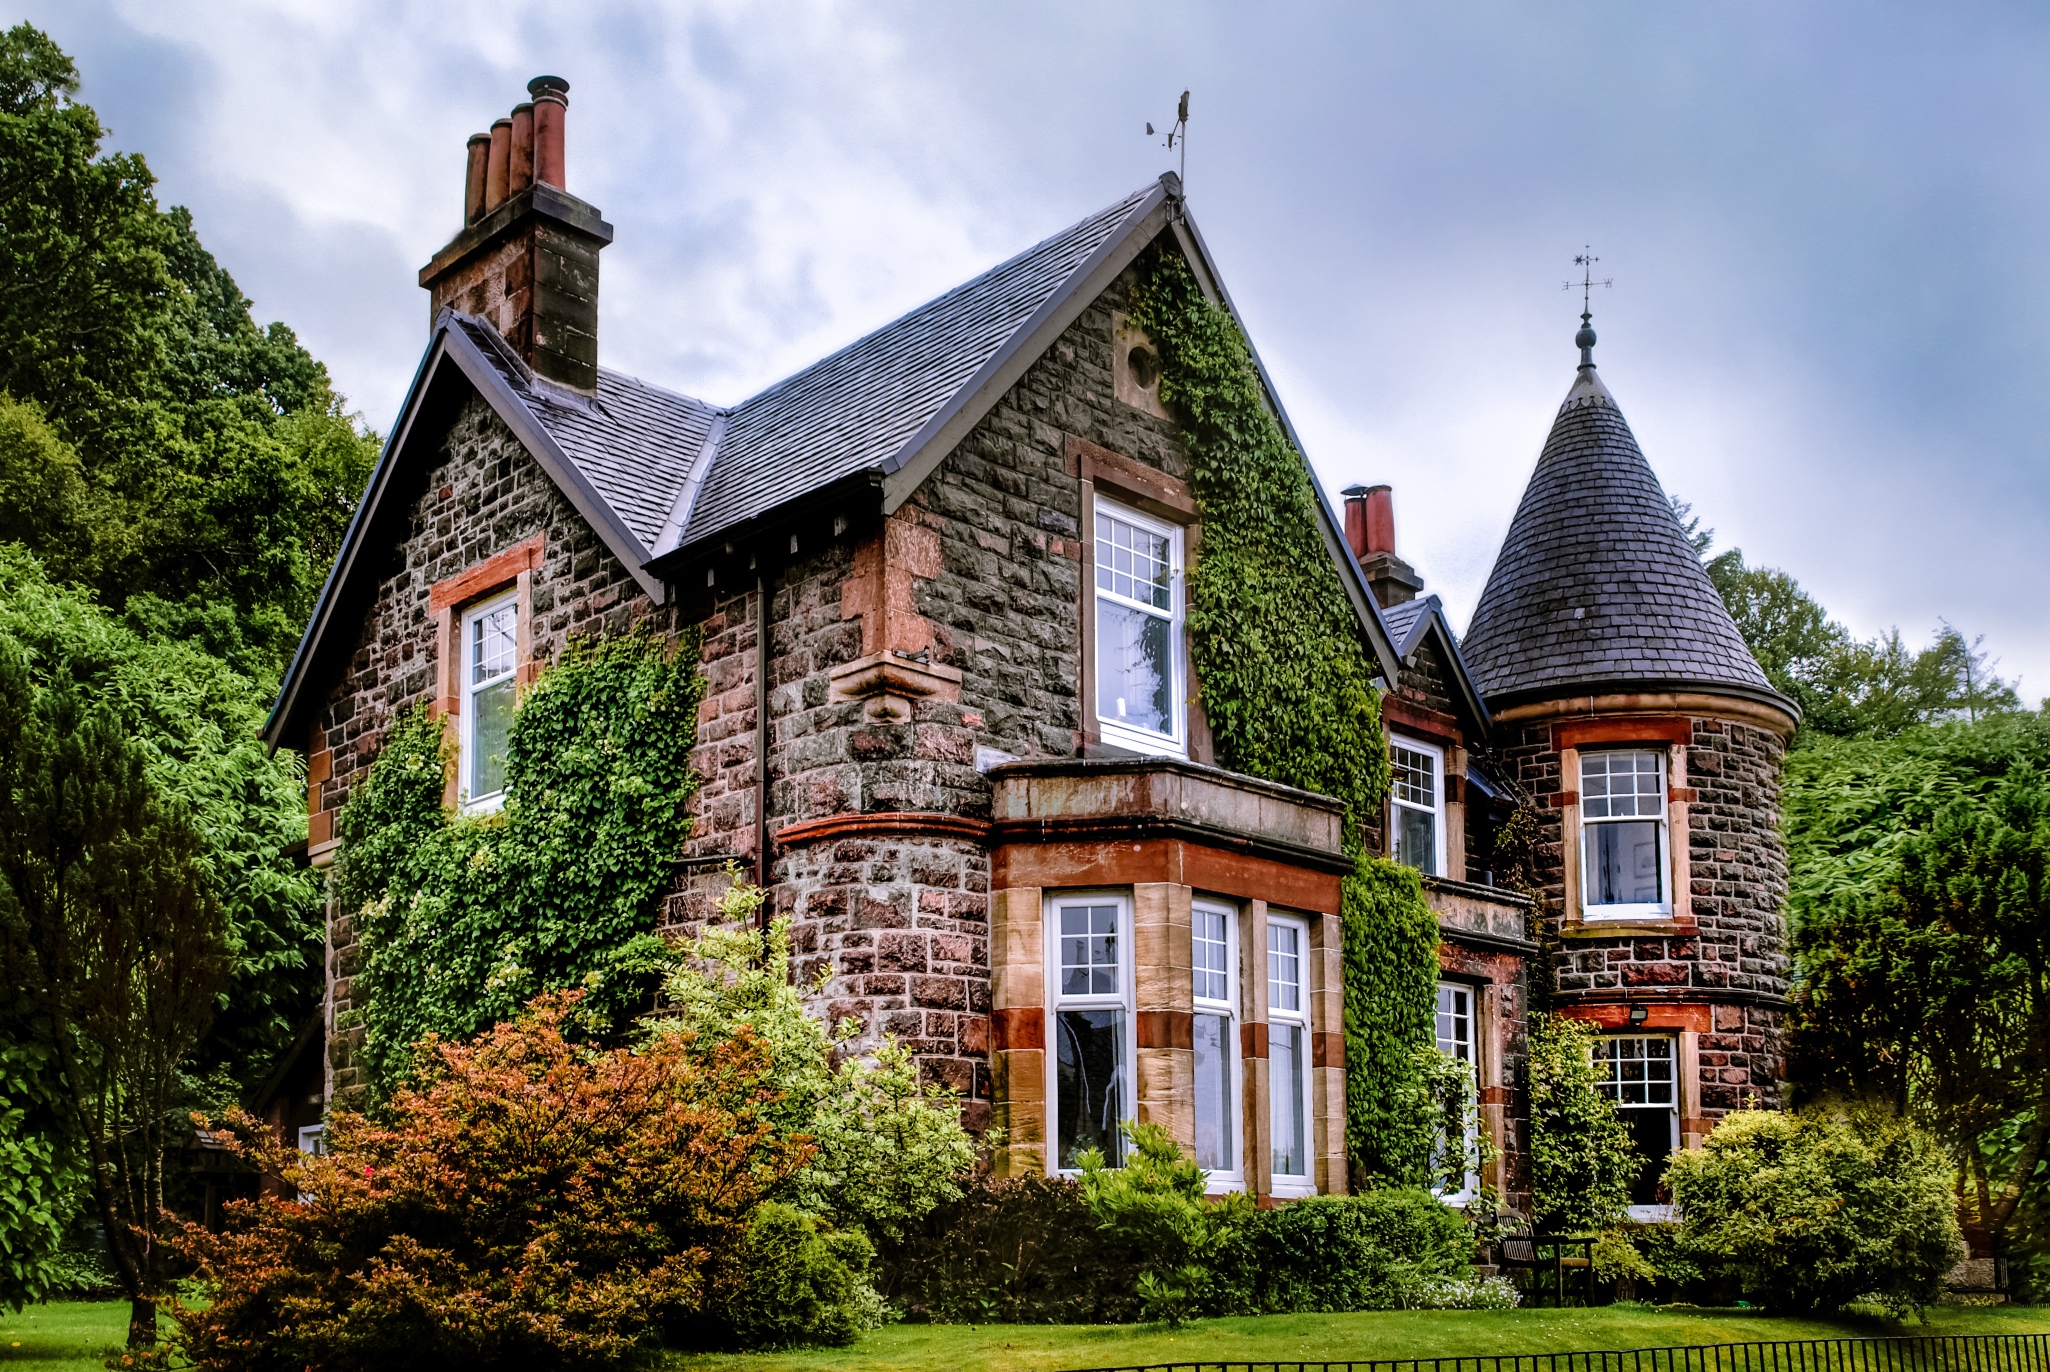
x,y
1637,1073
1623,835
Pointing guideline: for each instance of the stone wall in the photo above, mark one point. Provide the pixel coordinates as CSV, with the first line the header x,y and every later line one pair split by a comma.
x,y
484,496
1734,957
898,921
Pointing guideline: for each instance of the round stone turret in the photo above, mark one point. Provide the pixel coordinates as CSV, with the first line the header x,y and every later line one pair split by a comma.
x,y
1627,705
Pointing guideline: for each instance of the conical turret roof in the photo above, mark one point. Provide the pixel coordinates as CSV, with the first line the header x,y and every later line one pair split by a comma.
x,y
1597,586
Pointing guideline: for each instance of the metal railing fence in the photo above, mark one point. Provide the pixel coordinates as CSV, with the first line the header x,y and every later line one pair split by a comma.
x,y
1938,1353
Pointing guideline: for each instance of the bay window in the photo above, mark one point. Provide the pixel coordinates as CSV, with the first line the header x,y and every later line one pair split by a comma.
x,y
1139,618
1215,962
1416,829
1089,1000
1288,1054
1624,843
490,662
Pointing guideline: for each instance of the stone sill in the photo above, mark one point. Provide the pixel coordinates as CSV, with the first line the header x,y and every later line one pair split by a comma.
x,y
1628,928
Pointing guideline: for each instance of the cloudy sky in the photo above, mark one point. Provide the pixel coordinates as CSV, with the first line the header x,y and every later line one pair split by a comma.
x,y
1828,225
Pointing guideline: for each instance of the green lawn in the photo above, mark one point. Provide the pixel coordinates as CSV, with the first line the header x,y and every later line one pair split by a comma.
x,y
63,1336
77,1336
1382,1334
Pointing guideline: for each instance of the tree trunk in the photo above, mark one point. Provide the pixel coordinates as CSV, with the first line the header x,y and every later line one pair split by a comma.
x,y
142,1324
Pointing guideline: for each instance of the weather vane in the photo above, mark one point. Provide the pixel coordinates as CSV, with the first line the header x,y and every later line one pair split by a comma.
x,y
1179,134
1585,261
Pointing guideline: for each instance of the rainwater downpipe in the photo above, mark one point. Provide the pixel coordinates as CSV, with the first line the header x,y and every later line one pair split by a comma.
x,y
762,743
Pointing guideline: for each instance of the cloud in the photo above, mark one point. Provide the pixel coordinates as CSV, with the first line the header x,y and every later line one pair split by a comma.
x,y
1832,302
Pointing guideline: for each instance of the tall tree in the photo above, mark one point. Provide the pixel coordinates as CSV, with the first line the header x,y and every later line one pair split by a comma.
x,y
1849,687
1921,902
167,451
112,947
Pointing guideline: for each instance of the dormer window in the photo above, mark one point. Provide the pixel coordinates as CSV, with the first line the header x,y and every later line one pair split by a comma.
x,y
1139,631
1623,834
1416,829
490,648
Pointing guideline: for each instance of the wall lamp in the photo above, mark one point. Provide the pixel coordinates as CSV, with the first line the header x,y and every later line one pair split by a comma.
x,y
1639,1014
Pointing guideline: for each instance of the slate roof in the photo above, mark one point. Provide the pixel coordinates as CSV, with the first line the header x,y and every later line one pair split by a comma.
x,y
1402,619
646,449
634,443
1596,584
859,407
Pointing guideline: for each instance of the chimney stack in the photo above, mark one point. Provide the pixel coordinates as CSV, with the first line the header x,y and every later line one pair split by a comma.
x,y
526,259
1370,529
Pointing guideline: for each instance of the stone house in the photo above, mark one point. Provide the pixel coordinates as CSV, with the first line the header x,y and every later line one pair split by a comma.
x,y
950,720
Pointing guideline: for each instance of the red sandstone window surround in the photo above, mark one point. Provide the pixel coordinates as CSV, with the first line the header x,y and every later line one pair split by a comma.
x,y
484,653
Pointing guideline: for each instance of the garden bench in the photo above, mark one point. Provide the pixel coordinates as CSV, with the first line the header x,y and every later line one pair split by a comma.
x,y
1528,1252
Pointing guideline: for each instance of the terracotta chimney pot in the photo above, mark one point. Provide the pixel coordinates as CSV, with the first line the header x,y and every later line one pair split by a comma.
x,y
1380,519
499,169
1356,520
520,174
551,106
473,178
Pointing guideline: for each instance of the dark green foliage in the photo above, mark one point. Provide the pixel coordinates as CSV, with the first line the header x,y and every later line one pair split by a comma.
x,y
196,721
464,918
1288,677
1337,1253
1391,978
113,952
1029,1250
189,457
799,1284
1020,1250
39,1174
1921,903
1814,1210
1848,687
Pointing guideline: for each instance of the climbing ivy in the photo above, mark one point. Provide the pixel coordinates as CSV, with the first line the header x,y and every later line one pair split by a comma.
x,y
464,918
1287,681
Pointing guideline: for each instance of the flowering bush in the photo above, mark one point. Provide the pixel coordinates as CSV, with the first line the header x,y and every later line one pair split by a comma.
x,y
524,1201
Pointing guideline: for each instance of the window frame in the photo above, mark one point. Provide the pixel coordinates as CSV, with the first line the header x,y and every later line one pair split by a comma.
x,y
466,695
1120,733
1660,909
1436,753
1647,1213
1231,1178
1120,1000
1303,1183
1472,1059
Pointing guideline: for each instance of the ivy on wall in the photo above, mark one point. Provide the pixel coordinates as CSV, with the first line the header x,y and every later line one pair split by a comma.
x,y
462,919
1287,682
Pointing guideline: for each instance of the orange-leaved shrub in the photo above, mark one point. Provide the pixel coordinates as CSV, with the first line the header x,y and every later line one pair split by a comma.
x,y
527,1201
